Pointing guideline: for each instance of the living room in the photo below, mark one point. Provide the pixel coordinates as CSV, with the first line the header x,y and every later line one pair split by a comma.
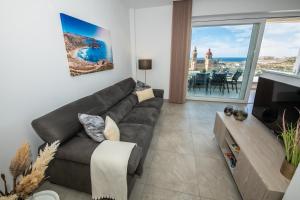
x,y
129,66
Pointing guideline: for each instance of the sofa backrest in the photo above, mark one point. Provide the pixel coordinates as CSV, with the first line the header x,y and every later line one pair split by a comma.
x,y
115,93
62,123
121,109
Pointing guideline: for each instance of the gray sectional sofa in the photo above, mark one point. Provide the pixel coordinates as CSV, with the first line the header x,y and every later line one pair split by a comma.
x,y
136,121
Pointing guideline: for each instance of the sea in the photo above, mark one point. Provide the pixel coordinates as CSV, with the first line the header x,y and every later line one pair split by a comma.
x,y
228,59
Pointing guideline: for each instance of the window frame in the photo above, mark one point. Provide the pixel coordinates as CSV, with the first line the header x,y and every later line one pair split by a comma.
x,y
253,53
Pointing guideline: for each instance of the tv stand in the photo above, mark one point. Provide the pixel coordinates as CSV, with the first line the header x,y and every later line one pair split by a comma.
x,y
254,156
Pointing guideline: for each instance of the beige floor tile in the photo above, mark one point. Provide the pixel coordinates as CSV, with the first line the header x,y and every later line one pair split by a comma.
x,y
154,193
176,141
206,145
211,167
201,126
215,180
149,156
174,171
137,191
205,198
143,179
170,125
206,192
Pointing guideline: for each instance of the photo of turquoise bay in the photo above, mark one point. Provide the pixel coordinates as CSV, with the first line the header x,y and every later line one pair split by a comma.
x,y
88,46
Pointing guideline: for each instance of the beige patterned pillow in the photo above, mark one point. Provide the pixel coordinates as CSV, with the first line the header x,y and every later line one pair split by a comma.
x,y
111,131
145,94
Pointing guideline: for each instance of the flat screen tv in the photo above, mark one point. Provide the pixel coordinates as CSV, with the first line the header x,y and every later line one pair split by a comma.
x,y
271,99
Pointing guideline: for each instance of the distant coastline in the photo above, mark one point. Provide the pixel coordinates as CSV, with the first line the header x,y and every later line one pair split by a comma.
x,y
226,59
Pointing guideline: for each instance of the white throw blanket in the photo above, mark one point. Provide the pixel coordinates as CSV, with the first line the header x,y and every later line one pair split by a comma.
x,y
109,169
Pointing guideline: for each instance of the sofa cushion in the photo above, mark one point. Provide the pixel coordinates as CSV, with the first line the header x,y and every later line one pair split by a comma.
x,y
111,131
136,133
142,115
62,124
127,86
115,93
77,150
118,111
153,103
145,94
93,125
80,150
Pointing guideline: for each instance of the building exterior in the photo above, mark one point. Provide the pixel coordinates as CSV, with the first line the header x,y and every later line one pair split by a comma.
x,y
202,64
208,60
297,64
193,65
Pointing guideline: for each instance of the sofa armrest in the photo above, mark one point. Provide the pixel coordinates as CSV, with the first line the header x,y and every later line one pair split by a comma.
x,y
134,159
158,93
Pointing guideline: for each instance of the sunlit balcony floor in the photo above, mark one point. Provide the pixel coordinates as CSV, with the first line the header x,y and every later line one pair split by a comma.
x,y
214,93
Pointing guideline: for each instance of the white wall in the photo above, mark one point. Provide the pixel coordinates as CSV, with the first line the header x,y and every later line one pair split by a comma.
x,y
34,75
219,7
153,40
147,3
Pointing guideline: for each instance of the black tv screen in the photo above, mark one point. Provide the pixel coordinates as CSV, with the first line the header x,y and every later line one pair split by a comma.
x,y
271,99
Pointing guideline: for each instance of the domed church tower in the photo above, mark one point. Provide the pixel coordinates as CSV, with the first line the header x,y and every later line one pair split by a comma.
x,y
208,60
194,59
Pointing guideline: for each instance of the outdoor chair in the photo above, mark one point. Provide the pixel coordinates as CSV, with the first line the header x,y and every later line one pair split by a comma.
x,y
234,80
219,80
201,79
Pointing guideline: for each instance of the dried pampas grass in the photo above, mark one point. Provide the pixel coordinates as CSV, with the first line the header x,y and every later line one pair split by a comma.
x,y
45,156
10,197
20,163
27,177
30,182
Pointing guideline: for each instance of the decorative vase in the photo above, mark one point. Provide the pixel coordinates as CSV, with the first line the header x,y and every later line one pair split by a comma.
x,y
228,110
44,195
287,169
240,114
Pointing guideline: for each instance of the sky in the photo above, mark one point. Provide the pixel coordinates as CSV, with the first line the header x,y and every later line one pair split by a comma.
x,y
280,40
79,27
224,41
76,26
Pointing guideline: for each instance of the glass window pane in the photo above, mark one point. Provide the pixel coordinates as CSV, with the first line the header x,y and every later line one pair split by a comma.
x,y
217,61
280,46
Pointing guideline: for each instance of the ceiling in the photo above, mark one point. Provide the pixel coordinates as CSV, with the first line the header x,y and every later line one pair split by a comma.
x,y
147,3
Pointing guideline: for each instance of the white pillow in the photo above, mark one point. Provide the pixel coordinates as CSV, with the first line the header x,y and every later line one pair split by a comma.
x,y
145,94
111,131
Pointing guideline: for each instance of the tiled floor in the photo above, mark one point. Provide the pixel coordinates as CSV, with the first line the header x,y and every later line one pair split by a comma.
x,y
184,161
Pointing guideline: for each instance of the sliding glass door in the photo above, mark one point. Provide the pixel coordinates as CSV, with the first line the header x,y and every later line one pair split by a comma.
x,y
222,60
